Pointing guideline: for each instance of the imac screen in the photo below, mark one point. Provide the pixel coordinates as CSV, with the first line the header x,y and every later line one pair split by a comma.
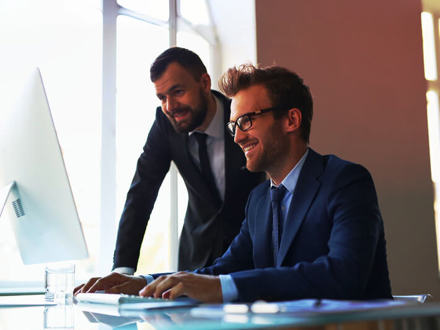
x,y
35,189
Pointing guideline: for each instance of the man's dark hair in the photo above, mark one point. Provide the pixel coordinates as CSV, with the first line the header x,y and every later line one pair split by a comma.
x,y
186,58
285,88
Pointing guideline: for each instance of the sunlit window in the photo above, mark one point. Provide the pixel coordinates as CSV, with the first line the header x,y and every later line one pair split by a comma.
x,y
195,11
434,133
432,99
429,55
138,45
64,41
152,8
197,44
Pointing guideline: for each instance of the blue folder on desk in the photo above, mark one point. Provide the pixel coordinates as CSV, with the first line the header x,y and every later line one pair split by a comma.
x,y
301,307
322,306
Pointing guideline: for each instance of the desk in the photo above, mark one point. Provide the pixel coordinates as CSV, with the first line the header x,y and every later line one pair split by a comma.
x,y
418,317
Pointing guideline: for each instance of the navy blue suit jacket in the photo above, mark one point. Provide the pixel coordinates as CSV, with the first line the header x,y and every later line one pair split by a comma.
x,y
332,245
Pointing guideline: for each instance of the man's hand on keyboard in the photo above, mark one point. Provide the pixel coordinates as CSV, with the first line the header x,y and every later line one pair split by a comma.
x,y
205,288
113,283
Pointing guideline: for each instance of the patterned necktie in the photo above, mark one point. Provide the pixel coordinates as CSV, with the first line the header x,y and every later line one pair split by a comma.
x,y
205,167
277,195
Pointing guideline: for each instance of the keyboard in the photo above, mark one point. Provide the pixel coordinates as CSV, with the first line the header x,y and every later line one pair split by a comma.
x,y
133,302
115,299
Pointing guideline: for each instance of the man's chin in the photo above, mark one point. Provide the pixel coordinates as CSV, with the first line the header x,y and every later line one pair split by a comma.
x,y
251,167
180,127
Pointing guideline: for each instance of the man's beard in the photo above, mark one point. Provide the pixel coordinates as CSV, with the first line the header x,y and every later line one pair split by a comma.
x,y
196,119
265,161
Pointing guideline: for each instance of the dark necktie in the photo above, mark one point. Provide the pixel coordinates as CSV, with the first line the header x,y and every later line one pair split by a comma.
x,y
276,195
205,167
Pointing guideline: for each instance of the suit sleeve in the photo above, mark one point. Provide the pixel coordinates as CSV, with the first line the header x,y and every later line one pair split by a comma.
x,y
152,166
342,272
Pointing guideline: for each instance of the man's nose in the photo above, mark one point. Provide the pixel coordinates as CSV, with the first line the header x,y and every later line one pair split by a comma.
x,y
239,135
170,104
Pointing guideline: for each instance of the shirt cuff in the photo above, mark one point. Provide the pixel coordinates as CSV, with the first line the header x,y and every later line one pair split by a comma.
x,y
124,270
147,278
229,289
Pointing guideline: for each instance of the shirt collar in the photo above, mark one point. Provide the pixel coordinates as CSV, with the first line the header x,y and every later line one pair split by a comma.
x,y
215,128
291,179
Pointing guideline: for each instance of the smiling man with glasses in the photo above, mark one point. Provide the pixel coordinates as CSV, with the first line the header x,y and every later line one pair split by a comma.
x,y
313,230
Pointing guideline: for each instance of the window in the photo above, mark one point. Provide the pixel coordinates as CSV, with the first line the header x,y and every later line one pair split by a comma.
x,y
431,43
64,40
103,106
138,43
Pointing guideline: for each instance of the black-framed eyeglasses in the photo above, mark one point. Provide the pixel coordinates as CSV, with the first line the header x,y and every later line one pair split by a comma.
x,y
244,122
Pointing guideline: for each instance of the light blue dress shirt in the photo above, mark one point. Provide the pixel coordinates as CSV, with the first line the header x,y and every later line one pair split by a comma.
x,y
229,289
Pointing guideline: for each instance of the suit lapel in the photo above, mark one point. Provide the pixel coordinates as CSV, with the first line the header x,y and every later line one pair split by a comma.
x,y
304,194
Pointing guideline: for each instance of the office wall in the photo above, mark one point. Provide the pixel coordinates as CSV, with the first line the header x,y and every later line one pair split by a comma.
x,y
363,63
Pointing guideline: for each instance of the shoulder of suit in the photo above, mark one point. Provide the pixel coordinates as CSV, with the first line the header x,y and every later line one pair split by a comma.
x,y
220,96
343,168
163,122
160,115
224,99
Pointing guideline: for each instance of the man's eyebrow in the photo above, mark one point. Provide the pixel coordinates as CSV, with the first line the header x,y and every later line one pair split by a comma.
x,y
169,90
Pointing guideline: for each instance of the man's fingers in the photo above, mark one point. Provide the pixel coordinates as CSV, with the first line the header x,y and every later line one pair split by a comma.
x,y
148,290
129,287
205,288
176,291
78,289
167,284
100,284
90,283
163,286
116,289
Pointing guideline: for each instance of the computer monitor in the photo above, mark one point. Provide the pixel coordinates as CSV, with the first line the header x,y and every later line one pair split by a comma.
x,y
35,193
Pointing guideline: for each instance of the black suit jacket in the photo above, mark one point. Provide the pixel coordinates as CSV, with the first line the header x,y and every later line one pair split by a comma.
x,y
208,229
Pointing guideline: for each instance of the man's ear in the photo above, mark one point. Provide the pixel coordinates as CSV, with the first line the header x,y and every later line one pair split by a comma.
x,y
293,120
205,80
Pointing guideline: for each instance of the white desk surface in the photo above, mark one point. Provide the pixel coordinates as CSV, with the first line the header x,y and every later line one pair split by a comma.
x,y
76,316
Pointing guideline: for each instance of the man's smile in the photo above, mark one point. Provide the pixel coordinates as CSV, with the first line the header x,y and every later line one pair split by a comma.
x,y
247,148
179,114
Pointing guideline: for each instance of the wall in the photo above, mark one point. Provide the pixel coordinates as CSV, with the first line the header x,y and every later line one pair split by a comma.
x,y
363,63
